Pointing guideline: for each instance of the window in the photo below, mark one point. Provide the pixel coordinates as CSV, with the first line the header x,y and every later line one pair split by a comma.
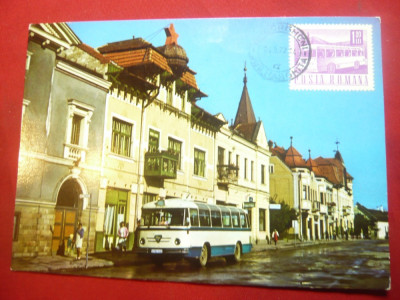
x,y
199,162
169,95
175,147
121,137
154,140
243,220
226,217
252,171
204,216
271,169
245,169
147,197
76,129
78,120
194,217
221,156
216,218
17,218
262,174
304,192
229,158
262,219
235,219
237,165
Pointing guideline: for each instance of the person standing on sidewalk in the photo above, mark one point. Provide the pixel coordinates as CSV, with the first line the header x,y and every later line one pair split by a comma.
x,y
275,236
123,235
78,240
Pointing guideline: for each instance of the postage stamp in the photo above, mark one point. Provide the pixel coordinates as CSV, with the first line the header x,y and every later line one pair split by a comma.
x,y
341,58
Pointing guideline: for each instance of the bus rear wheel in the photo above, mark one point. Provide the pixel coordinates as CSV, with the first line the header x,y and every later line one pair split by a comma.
x,y
237,255
203,259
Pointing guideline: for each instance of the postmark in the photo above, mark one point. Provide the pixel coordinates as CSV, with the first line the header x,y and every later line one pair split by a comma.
x,y
341,58
269,57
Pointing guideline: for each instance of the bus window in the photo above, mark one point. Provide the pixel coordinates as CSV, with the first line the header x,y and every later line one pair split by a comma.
x,y
170,216
194,217
235,219
243,222
321,53
216,218
353,52
204,216
313,52
347,52
339,53
330,53
226,219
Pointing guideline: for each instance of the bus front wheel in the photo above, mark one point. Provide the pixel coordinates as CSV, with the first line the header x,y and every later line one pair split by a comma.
x,y
203,259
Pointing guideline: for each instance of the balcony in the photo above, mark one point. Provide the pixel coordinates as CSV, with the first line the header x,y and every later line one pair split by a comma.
x,y
160,164
323,209
227,174
346,210
74,152
315,207
306,204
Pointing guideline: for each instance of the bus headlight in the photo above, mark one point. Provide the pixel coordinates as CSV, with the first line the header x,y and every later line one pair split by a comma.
x,y
142,241
177,241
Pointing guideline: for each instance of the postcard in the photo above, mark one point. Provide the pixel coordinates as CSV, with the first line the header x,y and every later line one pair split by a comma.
x,y
218,151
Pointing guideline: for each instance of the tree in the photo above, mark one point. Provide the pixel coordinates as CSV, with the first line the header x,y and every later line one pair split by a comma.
x,y
361,222
281,219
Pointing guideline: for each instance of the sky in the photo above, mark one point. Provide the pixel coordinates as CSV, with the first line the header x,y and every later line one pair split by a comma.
x,y
218,50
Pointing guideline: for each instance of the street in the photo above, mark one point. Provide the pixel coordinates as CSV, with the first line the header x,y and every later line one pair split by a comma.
x,y
359,264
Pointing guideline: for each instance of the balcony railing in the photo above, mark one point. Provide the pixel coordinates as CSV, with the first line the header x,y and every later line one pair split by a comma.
x,y
315,206
305,204
331,209
227,174
160,164
74,152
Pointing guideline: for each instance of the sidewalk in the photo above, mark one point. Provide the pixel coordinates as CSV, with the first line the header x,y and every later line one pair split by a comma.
x,y
108,259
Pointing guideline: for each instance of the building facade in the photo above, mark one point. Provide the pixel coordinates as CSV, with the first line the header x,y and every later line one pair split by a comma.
x,y
107,130
319,190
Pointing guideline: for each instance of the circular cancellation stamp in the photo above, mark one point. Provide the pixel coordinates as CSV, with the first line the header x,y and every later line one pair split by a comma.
x,y
283,54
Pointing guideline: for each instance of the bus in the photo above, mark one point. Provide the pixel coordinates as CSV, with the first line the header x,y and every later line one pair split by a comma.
x,y
176,228
326,58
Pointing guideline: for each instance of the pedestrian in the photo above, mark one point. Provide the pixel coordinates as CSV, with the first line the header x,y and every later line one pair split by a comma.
x,y
123,236
275,236
70,244
78,240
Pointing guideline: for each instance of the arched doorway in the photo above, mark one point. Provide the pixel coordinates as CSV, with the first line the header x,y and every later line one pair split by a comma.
x,y
67,212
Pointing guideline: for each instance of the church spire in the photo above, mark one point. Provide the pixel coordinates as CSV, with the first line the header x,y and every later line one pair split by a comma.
x,y
245,113
245,77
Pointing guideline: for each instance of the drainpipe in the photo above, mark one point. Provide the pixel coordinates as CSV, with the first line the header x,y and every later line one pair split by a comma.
x,y
139,173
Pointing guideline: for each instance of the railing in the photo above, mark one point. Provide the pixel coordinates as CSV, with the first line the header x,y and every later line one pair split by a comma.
x,y
315,206
74,152
305,204
161,164
227,174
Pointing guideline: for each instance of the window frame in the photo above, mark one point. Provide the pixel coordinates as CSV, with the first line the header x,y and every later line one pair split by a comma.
x,y
200,170
129,143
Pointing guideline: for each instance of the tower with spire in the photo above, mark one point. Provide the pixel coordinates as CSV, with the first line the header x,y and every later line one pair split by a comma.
x,y
245,121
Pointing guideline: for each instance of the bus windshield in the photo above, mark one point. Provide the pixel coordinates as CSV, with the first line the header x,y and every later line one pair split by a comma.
x,y
163,217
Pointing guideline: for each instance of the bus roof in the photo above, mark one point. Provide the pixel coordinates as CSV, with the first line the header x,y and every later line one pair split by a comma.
x,y
182,203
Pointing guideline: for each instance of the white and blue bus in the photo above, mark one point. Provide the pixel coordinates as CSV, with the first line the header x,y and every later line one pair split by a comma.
x,y
176,228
